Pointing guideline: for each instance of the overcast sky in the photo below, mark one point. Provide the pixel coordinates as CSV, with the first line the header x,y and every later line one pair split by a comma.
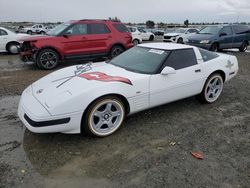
x,y
126,10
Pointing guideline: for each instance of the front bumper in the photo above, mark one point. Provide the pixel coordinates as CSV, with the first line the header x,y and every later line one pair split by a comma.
x,y
38,120
199,45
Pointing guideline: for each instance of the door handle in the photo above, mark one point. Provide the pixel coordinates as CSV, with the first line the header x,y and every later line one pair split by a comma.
x,y
198,70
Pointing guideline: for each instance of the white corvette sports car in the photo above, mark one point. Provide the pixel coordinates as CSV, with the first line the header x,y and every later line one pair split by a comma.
x,y
96,98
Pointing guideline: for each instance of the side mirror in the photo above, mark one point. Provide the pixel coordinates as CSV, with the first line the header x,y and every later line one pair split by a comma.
x,y
223,34
168,70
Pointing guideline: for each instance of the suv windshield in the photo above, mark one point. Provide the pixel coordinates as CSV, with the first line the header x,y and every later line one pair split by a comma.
x,y
141,60
58,29
211,30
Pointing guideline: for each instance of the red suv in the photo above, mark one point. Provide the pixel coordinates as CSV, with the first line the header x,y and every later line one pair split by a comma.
x,y
83,39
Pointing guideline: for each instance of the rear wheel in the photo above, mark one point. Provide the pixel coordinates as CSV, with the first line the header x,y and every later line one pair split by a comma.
x,y
151,38
243,47
136,42
104,116
214,47
115,51
29,32
47,59
212,89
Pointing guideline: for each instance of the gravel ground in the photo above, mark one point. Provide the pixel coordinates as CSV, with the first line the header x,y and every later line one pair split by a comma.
x,y
152,149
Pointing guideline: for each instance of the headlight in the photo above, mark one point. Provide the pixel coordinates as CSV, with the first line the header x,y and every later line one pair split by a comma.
x,y
204,41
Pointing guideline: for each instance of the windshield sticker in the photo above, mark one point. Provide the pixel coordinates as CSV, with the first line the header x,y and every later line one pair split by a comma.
x,y
160,52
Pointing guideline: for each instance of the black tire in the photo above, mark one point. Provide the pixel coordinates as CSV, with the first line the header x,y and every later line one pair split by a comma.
x,y
203,97
151,38
136,42
243,47
29,32
87,126
115,51
214,47
180,40
12,47
42,33
47,59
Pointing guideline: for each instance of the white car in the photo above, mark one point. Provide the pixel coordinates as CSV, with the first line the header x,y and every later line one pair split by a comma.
x,y
9,41
95,98
136,35
37,28
146,36
180,35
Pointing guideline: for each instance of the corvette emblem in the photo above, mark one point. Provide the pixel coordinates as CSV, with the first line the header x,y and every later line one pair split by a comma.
x,y
104,77
39,91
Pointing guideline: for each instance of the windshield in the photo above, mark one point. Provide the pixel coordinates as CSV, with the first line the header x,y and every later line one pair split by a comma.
x,y
179,30
58,29
211,30
141,60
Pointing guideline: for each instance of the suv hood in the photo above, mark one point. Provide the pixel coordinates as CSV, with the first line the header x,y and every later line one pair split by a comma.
x,y
36,37
200,37
62,86
172,34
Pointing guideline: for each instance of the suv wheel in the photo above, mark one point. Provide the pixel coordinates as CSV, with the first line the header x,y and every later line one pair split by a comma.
x,y
47,59
180,41
243,47
115,51
13,47
214,47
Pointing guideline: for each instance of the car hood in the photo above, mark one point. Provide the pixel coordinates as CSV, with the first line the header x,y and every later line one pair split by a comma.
x,y
172,34
199,37
63,85
36,37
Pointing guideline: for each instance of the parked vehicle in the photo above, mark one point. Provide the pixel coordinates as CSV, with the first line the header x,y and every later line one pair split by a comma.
x,y
95,98
158,32
9,40
221,37
146,36
37,29
179,35
136,35
83,39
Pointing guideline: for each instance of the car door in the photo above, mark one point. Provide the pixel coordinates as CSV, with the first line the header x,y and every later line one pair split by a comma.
x,y
75,41
99,37
187,80
240,33
3,39
226,37
144,34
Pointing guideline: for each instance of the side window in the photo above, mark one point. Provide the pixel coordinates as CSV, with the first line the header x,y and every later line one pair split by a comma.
x,y
141,30
207,55
2,32
180,59
192,31
241,29
77,29
227,30
98,29
131,29
121,28
40,26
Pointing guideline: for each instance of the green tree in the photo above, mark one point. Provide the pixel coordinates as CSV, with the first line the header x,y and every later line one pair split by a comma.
x,y
150,24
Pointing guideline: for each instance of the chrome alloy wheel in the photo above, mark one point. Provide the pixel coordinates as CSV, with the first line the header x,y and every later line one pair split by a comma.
x,y
213,88
106,117
48,60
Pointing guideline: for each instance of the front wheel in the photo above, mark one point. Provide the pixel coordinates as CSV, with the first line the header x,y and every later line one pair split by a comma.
x,y
29,32
136,42
243,47
115,51
104,116
180,41
212,89
47,59
214,47
13,47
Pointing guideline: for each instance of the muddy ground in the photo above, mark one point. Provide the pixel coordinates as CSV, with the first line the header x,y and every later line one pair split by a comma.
x,y
152,149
